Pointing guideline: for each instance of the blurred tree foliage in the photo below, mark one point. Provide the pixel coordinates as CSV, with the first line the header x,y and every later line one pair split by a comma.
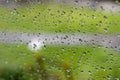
x,y
6,2
51,0
23,1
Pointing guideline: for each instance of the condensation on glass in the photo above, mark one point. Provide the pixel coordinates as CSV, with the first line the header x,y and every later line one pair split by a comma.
x,y
59,39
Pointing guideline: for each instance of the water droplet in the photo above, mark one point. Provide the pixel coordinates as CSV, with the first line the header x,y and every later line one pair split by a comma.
x,y
35,44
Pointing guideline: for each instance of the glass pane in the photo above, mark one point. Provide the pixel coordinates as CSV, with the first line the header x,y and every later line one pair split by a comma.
x,y
59,39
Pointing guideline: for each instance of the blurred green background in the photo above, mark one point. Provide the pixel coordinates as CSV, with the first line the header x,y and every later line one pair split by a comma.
x,y
57,62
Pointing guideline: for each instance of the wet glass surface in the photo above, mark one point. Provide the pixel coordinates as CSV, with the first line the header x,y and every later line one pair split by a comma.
x,y
59,40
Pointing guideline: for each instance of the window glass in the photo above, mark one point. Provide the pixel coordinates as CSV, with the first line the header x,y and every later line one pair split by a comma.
x,y
59,39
